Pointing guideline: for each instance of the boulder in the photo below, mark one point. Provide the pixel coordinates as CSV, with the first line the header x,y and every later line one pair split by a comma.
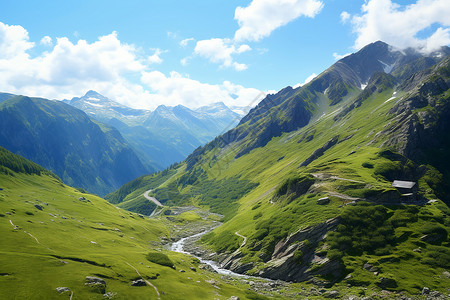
x,y
38,207
92,279
425,291
193,269
323,201
435,294
96,284
234,298
432,238
387,283
331,294
207,268
139,282
62,289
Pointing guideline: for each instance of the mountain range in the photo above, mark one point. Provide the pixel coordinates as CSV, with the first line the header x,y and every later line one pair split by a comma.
x,y
163,136
110,144
340,182
335,189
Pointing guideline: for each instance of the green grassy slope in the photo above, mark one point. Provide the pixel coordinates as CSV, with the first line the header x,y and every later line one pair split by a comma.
x,y
51,238
343,151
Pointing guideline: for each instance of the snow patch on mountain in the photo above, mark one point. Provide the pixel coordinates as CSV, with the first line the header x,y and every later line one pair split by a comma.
x,y
386,67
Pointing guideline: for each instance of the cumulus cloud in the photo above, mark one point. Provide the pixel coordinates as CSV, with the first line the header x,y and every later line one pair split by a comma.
x,y
400,26
178,89
46,41
14,41
156,57
185,42
221,51
70,69
261,17
256,21
307,80
345,16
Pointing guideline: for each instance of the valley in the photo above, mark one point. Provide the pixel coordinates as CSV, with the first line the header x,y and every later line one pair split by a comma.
x,y
334,189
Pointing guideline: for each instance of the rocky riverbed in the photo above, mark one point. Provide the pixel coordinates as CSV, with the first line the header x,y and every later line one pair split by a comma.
x,y
185,239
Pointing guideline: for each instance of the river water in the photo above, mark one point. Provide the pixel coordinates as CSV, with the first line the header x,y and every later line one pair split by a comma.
x,y
179,247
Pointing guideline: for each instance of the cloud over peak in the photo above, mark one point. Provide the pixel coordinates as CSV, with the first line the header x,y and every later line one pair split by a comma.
x,y
402,26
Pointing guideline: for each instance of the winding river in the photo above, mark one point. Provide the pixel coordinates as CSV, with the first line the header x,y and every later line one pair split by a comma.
x,y
179,247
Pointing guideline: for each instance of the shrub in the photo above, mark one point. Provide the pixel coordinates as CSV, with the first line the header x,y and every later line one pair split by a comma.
x,y
389,170
257,216
296,186
367,165
298,256
160,259
363,228
438,257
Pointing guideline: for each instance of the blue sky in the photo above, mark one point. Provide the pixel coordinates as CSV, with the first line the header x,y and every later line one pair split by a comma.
x,y
148,53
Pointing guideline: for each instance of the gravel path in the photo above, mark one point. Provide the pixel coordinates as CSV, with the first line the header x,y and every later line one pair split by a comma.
x,y
153,199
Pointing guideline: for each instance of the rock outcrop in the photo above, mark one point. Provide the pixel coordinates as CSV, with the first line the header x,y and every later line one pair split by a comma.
x,y
295,258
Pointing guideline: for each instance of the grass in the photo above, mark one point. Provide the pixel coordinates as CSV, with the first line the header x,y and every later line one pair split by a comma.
x,y
70,239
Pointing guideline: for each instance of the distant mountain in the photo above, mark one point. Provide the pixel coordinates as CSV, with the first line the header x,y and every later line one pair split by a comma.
x,y
164,136
63,139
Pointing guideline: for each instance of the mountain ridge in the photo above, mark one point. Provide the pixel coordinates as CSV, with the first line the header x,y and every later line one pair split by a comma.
x,y
354,141
163,136
64,139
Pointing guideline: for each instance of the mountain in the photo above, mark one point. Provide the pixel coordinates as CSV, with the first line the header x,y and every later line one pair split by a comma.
x,y
164,136
59,243
340,183
64,139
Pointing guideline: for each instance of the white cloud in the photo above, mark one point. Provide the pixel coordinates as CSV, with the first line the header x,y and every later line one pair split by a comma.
x,y
400,25
156,57
172,35
70,69
340,56
261,17
178,89
184,61
46,41
345,16
256,21
185,42
13,41
307,80
221,51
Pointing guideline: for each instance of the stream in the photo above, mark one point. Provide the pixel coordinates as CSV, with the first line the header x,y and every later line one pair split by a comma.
x,y
179,247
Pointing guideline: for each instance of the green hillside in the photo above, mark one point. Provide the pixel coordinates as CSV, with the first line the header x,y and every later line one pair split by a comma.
x,y
314,198
54,236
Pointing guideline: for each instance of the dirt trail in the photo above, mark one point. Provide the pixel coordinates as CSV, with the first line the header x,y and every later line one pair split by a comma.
x,y
32,236
153,199
15,227
244,237
146,281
